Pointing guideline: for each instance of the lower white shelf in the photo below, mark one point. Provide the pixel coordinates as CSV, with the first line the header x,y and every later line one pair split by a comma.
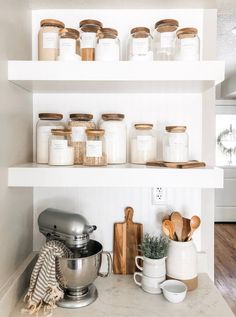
x,y
33,175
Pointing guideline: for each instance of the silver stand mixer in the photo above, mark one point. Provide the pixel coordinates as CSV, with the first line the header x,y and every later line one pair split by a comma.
x,y
80,271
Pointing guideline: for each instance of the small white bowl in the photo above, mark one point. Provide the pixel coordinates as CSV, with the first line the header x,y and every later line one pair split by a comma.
x,y
174,291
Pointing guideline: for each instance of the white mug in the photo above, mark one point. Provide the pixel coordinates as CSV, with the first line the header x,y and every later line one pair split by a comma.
x,y
149,284
152,267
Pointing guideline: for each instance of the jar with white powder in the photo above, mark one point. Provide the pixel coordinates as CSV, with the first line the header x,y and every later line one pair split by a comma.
x,y
95,154
46,122
61,151
115,137
48,39
143,144
175,144
108,46
140,45
68,41
188,45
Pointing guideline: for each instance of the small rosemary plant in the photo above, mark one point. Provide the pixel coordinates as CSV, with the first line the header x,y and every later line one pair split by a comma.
x,y
154,247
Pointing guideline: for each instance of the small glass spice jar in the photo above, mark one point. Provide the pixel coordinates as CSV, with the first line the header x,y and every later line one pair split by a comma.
x,y
175,144
79,122
108,46
46,122
48,39
115,137
140,45
61,152
68,45
89,30
188,45
164,39
95,148
143,144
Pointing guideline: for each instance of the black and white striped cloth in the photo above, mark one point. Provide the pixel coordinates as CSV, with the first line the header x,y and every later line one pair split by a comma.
x,y
46,279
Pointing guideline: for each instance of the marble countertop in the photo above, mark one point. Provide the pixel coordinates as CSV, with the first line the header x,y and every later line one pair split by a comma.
x,y
120,297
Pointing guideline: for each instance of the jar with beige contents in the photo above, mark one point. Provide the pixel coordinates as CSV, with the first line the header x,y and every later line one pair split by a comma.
x,y
95,148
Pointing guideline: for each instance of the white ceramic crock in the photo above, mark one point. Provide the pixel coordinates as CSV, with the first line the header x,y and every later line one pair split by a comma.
x,y
149,284
152,267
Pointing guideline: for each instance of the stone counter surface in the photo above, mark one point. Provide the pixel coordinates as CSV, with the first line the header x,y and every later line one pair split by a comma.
x,y
120,297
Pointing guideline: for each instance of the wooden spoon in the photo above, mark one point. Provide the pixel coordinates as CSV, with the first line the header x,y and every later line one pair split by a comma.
x,y
177,221
168,225
186,229
194,224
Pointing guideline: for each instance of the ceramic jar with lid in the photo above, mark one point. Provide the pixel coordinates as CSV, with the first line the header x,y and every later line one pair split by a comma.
x,y
115,137
140,45
68,41
79,122
164,39
89,31
175,144
143,144
95,154
46,122
108,46
61,151
48,39
188,45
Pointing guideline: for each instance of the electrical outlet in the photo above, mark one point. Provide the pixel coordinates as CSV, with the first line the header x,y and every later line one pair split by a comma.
x,y
158,195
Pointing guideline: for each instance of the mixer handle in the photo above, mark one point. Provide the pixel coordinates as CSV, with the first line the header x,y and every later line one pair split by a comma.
x,y
109,265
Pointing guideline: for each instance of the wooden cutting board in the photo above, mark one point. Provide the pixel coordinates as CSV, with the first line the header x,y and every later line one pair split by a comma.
x,y
189,164
127,236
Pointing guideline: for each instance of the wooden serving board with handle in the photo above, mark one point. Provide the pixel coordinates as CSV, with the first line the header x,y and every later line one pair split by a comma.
x,y
189,164
127,236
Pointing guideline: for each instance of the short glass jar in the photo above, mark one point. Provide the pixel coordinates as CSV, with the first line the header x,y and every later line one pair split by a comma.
x,y
68,45
175,145
143,144
48,39
140,45
95,154
76,32
79,122
89,30
61,152
108,46
164,39
187,45
115,137
46,122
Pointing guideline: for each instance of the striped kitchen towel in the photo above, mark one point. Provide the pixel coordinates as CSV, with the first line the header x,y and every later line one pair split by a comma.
x,y
46,281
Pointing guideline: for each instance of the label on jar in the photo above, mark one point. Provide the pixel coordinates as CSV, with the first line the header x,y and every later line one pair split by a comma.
x,y
78,134
58,144
67,47
94,148
107,50
144,142
189,49
50,40
140,46
88,40
167,39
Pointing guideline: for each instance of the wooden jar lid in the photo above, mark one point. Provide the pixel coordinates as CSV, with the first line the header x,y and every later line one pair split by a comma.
x,y
69,33
81,116
167,25
112,116
108,33
140,29
52,22
95,132
176,129
90,25
143,126
61,132
50,116
186,33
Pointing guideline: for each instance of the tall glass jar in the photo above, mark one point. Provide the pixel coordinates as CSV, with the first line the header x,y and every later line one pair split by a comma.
x,y
95,154
89,30
48,39
61,152
175,144
143,144
68,45
79,122
140,45
108,46
188,45
164,39
115,137
46,122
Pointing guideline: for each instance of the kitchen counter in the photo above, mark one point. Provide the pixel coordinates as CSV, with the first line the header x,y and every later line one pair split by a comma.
x,y
120,297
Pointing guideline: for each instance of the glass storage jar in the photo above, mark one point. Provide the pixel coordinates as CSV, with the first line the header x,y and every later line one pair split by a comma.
x,y
61,152
175,144
108,46
46,122
76,32
164,38
89,30
143,144
188,45
95,154
115,137
48,39
79,122
68,45
140,45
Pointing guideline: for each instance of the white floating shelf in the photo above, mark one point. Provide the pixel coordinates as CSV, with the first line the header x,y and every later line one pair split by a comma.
x,y
33,175
104,77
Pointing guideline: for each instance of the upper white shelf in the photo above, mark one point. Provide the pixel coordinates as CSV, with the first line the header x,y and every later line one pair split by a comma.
x,y
105,77
33,175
